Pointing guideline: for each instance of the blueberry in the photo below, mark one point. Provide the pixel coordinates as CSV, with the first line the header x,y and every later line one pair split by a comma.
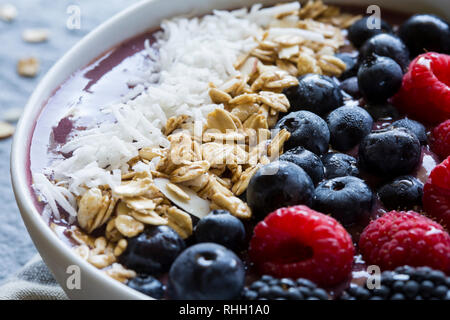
x,y
402,193
411,289
206,271
148,285
339,165
361,30
415,127
347,199
307,130
382,291
383,111
152,251
348,125
379,78
351,62
276,185
426,288
390,152
440,291
315,93
359,292
386,45
425,32
306,160
398,296
221,227
351,87
437,276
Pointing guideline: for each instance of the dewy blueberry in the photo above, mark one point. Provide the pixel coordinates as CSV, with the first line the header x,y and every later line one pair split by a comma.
x,y
279,184
359,31
306,160
316,93
307,130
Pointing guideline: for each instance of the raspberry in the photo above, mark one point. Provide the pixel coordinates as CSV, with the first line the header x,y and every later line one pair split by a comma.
x,y
440,140
298,242
436,193
425,91
405,238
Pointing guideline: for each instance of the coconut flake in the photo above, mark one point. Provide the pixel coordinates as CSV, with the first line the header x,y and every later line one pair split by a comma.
x,y
306,34
194,205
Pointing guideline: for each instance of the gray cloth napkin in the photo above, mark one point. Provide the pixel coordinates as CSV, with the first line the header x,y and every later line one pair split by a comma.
x,y
33,282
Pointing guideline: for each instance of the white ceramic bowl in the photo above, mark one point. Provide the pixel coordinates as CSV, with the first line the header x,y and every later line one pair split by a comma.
x,y
136,19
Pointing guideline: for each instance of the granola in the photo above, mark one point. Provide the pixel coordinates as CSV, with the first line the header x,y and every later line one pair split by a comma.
x,y
28,67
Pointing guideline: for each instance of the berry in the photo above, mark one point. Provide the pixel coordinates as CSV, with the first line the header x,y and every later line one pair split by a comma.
x,y
383,112
152,251
278,184
348,125
269,288
315,93
351,62
436,193
386,45
221,227
405,238
402,193
425,91
307,130
359,31
300,242
350,86
440,140
339,165
390,152
347,199
147,285
404,282
206,271
415,127
379,78
306,160
425,32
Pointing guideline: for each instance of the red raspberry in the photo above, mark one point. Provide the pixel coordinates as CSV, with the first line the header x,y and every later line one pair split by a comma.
x,y
440,140
299,242
436,193
425,91
405,238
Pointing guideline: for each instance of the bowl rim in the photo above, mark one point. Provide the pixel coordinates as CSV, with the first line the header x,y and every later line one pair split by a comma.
x,y
19,158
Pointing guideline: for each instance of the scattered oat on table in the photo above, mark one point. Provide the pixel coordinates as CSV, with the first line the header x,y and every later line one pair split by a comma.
x,y
35,35
6,130
28,67
8,12
12,114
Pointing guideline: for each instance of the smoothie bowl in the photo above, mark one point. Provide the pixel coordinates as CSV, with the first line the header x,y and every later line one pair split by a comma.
x,y
234,150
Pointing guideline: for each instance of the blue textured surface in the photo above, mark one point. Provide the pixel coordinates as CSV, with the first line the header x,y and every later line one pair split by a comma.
x,y
16,246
